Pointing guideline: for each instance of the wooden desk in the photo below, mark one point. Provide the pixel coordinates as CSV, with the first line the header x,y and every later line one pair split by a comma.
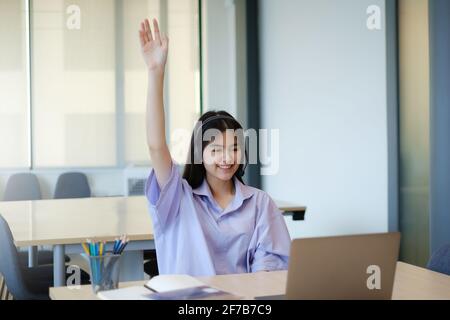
x,y
411,283
64,224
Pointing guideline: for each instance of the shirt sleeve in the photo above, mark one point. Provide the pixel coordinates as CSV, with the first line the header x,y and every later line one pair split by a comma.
x,y
164,202
273,242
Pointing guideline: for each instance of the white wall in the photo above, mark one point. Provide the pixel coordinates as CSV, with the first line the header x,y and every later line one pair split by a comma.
x,y
324,86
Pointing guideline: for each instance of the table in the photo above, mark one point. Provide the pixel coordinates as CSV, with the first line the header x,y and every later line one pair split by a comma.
x,y
65,223
411,283
289,209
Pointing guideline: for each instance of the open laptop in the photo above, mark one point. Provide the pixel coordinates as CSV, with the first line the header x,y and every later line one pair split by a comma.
x,y
343,267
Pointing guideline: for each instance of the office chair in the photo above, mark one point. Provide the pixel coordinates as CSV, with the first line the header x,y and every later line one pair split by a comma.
x,y
21,187
72,185
440,260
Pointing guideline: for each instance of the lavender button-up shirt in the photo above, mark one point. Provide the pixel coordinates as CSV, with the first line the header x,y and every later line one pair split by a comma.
x,y
195,236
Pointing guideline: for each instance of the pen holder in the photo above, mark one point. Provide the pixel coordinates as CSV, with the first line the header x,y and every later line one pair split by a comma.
x,y
104,272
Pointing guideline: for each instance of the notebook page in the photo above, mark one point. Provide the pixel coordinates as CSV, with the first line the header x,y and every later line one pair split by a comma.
x,y
163,283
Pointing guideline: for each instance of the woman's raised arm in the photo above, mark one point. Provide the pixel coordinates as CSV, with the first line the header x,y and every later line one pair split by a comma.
x,y
154,50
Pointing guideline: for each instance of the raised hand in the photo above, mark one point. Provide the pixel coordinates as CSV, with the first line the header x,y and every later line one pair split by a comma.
x,y
154,50
154,46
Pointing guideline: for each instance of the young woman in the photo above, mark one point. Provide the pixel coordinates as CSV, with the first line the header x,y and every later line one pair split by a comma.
x,y
207,221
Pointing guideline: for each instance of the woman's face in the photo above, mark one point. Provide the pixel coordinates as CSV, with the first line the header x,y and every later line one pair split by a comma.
x,y
221,157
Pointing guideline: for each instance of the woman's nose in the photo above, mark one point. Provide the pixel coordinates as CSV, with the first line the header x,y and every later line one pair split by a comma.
x,y
228,157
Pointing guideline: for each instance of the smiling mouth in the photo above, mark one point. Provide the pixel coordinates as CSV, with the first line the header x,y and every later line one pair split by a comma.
x,y
225,167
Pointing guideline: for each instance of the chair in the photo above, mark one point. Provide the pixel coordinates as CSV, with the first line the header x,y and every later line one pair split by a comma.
x,y
72,185
22,187
22,282
440,260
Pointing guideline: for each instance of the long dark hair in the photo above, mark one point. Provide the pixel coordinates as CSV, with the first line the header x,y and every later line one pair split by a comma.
x,y
195,173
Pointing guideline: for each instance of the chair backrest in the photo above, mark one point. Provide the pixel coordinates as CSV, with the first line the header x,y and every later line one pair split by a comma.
x,y
72,185
9,263
22,186
440,260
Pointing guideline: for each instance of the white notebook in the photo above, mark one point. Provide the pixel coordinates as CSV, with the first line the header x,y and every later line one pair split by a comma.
x,y
166,287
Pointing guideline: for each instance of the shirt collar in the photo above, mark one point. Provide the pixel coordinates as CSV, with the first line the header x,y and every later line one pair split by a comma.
x,y
203,189
243,192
